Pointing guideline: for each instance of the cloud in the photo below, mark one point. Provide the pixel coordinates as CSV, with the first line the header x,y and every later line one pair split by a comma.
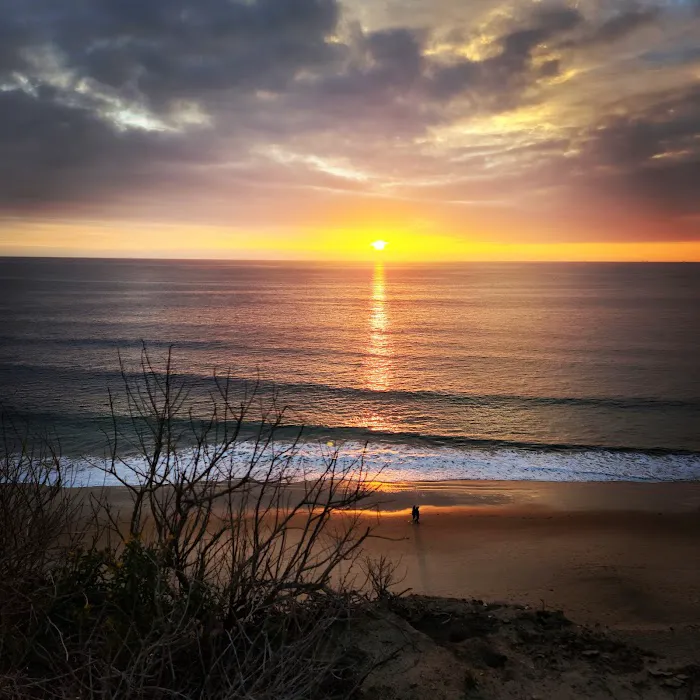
x,y
53,152
165,50
98,95
651,156
113,102
618,27
497,82
397,54
623,24
518,45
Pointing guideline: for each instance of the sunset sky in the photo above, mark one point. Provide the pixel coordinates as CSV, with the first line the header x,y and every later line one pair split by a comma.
x,y
307,129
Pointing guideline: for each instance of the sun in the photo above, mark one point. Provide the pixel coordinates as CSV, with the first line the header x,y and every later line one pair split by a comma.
x,y
379,245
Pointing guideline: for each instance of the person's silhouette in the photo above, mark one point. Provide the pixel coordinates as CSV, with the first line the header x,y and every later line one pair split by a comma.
x,y
416,515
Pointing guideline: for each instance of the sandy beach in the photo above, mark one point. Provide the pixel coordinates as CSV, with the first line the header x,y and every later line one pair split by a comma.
x,y
625,555
491,564
622,555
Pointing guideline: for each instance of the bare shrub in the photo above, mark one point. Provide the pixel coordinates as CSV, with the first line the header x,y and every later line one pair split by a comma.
x,y
384,575
39,520
220,579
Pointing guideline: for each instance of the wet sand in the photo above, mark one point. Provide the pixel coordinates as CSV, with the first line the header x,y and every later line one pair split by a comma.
x,y
624,555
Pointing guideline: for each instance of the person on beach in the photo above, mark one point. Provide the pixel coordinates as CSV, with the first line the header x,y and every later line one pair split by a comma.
x,y
415,513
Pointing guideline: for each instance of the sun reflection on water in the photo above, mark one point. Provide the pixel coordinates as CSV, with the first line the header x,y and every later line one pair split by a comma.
x,y
379,348
379,351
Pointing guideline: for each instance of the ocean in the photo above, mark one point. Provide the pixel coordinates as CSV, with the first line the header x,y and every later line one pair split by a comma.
x,y
454,371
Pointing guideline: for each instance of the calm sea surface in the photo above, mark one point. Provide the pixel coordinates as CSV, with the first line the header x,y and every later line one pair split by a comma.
x,y
565,371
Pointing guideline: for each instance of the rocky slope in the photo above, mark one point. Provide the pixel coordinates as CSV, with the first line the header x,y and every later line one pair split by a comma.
x,y
444,649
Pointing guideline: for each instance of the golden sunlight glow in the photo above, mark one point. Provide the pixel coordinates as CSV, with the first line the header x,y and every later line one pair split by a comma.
x,y
124,239
379,245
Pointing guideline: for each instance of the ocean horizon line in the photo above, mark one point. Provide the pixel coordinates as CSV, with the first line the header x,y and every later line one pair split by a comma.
x,y
372,262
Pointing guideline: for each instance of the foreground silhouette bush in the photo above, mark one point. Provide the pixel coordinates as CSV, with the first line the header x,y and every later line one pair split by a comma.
x,y
222,577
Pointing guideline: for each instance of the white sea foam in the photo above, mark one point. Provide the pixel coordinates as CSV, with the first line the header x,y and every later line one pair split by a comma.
x,y
404,462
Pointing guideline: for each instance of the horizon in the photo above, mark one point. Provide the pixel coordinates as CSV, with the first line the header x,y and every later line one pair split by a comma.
x,y
332,261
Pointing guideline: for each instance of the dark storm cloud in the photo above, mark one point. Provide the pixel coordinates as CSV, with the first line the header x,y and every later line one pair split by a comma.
x,y
386,65
12,38
179,49
498,81
397,55
398,65
60,140
52,152
195,50
518,45
614,29
651,156
623,24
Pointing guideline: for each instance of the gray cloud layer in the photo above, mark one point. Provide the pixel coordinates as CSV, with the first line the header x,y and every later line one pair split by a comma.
x,y
101,98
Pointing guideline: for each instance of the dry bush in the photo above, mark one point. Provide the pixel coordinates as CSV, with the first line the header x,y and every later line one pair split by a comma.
x,y
39,520
383,576
220,579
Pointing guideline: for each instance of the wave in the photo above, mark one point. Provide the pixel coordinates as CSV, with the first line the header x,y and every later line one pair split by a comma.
x,y
465,442
92,428
399,462
388,396
493,400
